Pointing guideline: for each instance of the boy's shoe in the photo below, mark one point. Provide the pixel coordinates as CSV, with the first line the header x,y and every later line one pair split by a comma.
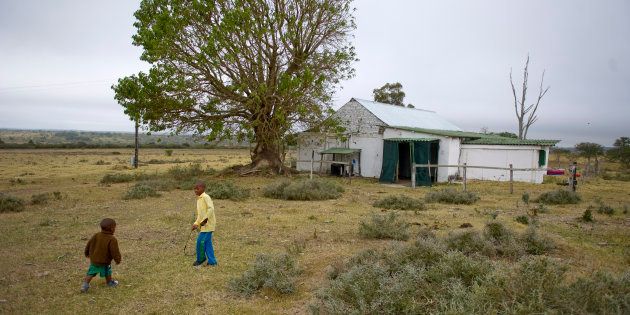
x,y
196,263
112,284
84,287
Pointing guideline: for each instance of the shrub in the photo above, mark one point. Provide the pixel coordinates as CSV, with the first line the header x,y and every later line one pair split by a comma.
x,y
164,184
605,209
536,244
40,199
522,219
587,216
57,195
186,172
305,189
10,203
503,239
227,190
401,202
601,293
277,273
559,197
140,191
525,198
168,152
385,226
452,196
469,242
115,178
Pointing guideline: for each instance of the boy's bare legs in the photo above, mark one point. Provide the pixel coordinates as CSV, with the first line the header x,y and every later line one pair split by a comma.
x,y
86,283
111,282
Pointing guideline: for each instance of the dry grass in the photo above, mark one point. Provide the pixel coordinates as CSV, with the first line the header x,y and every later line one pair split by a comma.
x,y
42,265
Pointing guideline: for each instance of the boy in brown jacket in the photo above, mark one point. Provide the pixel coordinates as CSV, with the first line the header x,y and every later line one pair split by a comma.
x,y
101,249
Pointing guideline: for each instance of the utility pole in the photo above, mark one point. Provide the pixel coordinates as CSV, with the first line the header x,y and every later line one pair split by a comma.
x,y
135,157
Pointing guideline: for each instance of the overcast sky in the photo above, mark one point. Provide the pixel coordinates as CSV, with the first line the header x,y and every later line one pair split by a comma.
x,y
58,60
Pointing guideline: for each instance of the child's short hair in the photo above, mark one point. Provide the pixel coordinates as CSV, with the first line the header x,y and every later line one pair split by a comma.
x,y
107,224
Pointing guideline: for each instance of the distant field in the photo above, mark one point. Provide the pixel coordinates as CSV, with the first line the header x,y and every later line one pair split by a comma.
x,y
42,263
10,138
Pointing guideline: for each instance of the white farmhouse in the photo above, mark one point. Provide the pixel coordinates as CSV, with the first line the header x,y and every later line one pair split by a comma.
x,y
383,141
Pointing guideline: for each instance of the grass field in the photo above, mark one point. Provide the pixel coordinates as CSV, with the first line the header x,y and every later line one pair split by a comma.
x,y
42,265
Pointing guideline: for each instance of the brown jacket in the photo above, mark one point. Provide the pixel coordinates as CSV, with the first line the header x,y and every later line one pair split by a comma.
x,y
102,248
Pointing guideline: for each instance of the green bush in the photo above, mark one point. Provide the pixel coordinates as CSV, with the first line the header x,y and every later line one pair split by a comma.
x,y
162,184
605,209
452,196
522,219
587,216
40,199
304,189
10,203
140,191
559,197
191,171
277,273
423,277
168,152
536,244
115,178
400,202
385,226
226,190
469,242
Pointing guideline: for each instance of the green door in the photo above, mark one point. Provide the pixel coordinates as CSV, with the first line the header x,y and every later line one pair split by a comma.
x,y
390,161
421,155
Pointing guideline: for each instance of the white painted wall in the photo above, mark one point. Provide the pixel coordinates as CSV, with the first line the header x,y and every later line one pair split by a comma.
x,y
371,153
503,156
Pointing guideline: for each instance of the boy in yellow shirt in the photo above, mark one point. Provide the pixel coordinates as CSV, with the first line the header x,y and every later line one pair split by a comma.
x,y
206,223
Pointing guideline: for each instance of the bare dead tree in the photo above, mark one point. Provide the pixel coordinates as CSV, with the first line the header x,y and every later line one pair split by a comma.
x,y
526,114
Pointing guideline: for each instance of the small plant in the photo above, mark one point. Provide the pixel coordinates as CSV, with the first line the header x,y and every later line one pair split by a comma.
x,y
525,198
536,244
168,152
306,189
605,209
452,196
522,219
115,178
186,172
57,195
277,273
296,247
559,197
469,242
140,191
587,216
10,203
385,226
226,190
401,202
101,162
40,199
18,180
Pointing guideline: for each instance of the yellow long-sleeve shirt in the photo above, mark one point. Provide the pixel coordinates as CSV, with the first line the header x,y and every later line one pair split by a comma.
x,y
205,209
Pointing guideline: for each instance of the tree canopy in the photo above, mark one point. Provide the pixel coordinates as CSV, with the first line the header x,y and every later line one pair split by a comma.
x,y
589,150
391,93
621,152
250,69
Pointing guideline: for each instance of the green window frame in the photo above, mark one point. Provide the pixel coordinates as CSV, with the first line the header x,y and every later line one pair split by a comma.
x,y
542,157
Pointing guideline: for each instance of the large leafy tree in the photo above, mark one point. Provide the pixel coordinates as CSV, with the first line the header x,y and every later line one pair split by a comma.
x,y
250,69
621,152
391,93
590,150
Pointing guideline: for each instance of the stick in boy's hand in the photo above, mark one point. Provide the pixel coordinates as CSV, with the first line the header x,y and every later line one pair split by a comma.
x,y
194,226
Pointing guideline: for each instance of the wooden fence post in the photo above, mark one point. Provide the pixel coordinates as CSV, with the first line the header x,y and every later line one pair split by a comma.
x,y
511,180
312,157
413,175
464,176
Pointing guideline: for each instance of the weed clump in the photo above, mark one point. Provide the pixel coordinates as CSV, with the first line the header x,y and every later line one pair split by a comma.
x,y
140,191
10,203
40,199
452,196
522,219
559,197
536,244
305,189
588,215
385,226
277,273
227,190
192,171
605,209
116,178
400,202
469,242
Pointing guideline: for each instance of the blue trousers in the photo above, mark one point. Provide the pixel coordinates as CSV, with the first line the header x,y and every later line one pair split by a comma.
x,y
205,249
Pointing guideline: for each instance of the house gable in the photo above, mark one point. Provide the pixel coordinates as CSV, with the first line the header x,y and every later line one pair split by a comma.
x,y
357,119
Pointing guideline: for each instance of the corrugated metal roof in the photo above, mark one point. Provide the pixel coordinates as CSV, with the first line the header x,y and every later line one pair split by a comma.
x,y
511,141
448,133
411,139
339,151
394,115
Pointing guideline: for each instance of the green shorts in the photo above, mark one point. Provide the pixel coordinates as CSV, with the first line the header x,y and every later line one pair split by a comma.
x,y
103,271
